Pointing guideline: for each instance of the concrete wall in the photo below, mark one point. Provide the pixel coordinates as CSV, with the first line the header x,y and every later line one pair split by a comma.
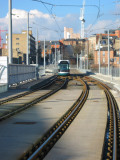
x,y
19,73
3,69
3,74
15,73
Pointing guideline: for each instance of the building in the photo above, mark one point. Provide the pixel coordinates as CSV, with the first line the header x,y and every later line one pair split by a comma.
x,y
114,57
19,47
68,34
103,56
91,44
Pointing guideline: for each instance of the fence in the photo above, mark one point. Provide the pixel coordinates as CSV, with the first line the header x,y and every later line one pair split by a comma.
x,y
114,71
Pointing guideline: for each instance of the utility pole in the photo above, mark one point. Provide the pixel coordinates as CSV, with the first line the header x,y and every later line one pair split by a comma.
x,y
55,55
108,54
77,60
10,32
99,55
81,59
27,57
44,55
37,47
119,51
87,54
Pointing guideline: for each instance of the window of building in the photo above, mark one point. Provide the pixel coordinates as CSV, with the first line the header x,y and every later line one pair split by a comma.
x,y
17,49
103,53
17,43
17,38
103,60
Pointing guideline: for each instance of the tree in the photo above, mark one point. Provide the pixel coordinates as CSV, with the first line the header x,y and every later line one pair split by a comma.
x,y
77,49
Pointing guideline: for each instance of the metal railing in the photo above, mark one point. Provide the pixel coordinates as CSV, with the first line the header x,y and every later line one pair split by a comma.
x,y
114,71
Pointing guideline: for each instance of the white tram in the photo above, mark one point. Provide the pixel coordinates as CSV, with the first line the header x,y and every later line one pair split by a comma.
x,y
63,67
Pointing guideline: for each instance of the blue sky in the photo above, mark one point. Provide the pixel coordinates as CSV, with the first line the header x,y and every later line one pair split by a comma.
x,y
64,16
27,5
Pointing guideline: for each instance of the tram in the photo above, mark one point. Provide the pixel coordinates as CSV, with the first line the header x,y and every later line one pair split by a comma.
x,y
63,67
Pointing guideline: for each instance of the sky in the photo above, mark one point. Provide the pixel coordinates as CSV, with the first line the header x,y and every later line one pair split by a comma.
x,y
50,20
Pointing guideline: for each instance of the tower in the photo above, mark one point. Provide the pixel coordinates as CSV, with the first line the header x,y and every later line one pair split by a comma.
x,y
82,19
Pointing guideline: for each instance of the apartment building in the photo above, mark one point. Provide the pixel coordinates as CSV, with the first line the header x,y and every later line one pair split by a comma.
x,y
103,56
19,47
91,44
101,41
68,34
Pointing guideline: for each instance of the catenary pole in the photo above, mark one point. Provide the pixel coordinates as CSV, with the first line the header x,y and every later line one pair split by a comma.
x,y
99,56
87,54
37,46
27,39
108,54
44,55
55,55
10,32
77,60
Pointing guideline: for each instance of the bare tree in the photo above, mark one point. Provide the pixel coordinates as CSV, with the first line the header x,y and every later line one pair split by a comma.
x,y
78,48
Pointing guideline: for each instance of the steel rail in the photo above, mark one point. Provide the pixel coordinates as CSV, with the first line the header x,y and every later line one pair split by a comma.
x,y
113,142
114,130
29,104
28,92
111,103
36,153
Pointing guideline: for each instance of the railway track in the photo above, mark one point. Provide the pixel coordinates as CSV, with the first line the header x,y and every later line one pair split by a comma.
x,y
8,108
32,90
111,148
43,146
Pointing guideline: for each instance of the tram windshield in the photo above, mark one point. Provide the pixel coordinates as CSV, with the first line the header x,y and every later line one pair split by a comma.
x,y
63,67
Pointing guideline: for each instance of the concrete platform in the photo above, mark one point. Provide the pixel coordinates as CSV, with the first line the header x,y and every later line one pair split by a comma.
x,y
115,81
23,87
84,139
20,131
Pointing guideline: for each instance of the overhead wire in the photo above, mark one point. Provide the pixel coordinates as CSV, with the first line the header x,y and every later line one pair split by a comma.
x,y
106,27
59,5
56,5
50,12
